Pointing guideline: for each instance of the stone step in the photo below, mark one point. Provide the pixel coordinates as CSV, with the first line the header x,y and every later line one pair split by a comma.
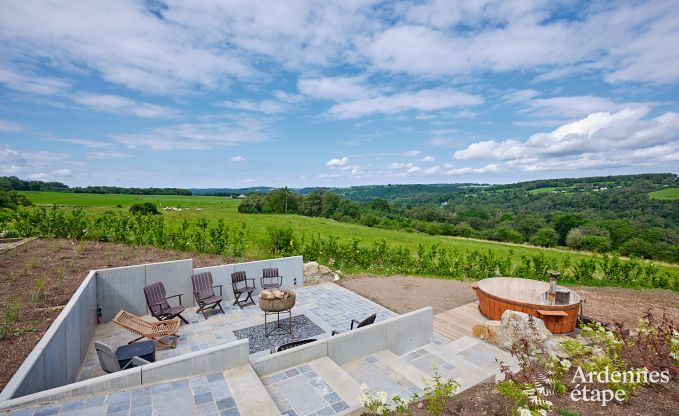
x,y
401,366
338,379
318,387
384,371
249,393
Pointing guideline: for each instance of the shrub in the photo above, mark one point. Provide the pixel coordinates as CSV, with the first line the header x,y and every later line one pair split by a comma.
x,y
281,241
545,237
596,243
145,208
574,238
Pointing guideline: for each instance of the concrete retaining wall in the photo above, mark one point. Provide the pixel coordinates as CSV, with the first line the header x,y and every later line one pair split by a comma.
x,y
123,287
291,268
57,357
399,334
218,358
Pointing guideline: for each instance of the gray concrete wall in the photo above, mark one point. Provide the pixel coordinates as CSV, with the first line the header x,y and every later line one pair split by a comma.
x,y
57,357
218,358
290,358
410,331
123,287
291,268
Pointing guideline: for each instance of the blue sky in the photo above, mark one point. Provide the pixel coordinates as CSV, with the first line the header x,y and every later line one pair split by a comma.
x,y
317,93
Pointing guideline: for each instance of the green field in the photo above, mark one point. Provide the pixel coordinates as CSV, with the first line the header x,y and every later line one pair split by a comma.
x,y
667,194
543,190
214,208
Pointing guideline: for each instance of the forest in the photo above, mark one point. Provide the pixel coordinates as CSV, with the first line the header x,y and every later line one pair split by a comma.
x,y
599,214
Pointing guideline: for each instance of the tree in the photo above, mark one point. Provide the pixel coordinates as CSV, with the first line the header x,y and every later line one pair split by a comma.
x,y
380,204
146,208
545,237
252,204
563,223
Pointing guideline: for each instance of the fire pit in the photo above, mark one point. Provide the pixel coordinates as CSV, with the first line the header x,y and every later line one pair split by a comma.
x,y
276,302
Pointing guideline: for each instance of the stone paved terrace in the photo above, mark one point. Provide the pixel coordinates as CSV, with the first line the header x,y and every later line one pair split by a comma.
x,y
320,386
328,305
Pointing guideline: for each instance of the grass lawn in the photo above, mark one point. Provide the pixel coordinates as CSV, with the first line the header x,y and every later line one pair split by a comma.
x,y
214,208
667,194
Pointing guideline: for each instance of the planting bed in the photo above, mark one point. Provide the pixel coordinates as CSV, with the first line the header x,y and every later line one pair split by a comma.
x,y
58,266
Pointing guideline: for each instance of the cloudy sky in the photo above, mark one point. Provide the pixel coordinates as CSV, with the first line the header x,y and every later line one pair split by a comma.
x,y
301,93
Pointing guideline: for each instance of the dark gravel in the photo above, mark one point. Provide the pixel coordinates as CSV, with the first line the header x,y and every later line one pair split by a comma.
x,y
302,328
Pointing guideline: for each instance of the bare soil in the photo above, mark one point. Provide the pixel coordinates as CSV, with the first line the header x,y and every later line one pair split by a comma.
x,y
606,304
483,399
62,265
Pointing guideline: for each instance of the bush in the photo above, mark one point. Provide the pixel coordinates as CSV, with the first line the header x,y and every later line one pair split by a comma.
x,y
545,237
281,241
596,243
146,208
637,247
574,238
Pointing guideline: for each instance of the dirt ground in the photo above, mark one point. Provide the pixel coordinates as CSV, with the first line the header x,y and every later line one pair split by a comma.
x,y
58,266
403,294
483,399
607,304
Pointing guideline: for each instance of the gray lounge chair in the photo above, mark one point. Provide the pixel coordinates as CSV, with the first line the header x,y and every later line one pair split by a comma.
x,y
109,359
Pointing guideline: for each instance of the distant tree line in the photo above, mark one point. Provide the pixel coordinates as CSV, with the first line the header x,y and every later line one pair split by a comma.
x,y
8,183
622,219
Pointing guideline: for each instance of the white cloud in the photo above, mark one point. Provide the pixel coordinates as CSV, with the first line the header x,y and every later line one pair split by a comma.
x,y
62,172
411,153
428,158
574,106
520,96
95,144
623,42
263,106
118,104
337,162
26,163
6,126
336,88
25,80
623,138
237,159
196,136
423,100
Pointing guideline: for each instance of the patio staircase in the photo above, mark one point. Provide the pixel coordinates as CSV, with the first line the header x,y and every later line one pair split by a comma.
x,y
317,387
323,386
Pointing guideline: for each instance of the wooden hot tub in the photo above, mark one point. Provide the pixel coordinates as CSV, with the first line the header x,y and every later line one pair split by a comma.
x,y
498,294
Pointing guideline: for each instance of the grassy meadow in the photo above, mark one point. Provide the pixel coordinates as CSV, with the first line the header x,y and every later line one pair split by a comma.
x,y
667,194
214,208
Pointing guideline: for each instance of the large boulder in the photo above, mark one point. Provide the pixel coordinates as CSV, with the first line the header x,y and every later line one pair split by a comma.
x,y
487,331
515,326
317,273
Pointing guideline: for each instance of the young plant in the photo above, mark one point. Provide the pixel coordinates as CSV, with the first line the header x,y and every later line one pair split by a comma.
x,y
437,393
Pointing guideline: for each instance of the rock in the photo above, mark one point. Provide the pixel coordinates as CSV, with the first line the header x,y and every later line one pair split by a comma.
x,y
552,346
487,331
514,326
316,273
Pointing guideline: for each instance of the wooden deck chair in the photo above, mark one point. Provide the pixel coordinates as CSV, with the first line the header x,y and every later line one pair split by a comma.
x,y
156,331
204,292
239,282
271,279
160,308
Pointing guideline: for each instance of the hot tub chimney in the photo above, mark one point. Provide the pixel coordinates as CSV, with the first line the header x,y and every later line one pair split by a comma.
x,y
553,274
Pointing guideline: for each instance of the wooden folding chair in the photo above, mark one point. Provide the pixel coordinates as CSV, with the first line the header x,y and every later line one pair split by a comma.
x,y
204,293
156,331
240,285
